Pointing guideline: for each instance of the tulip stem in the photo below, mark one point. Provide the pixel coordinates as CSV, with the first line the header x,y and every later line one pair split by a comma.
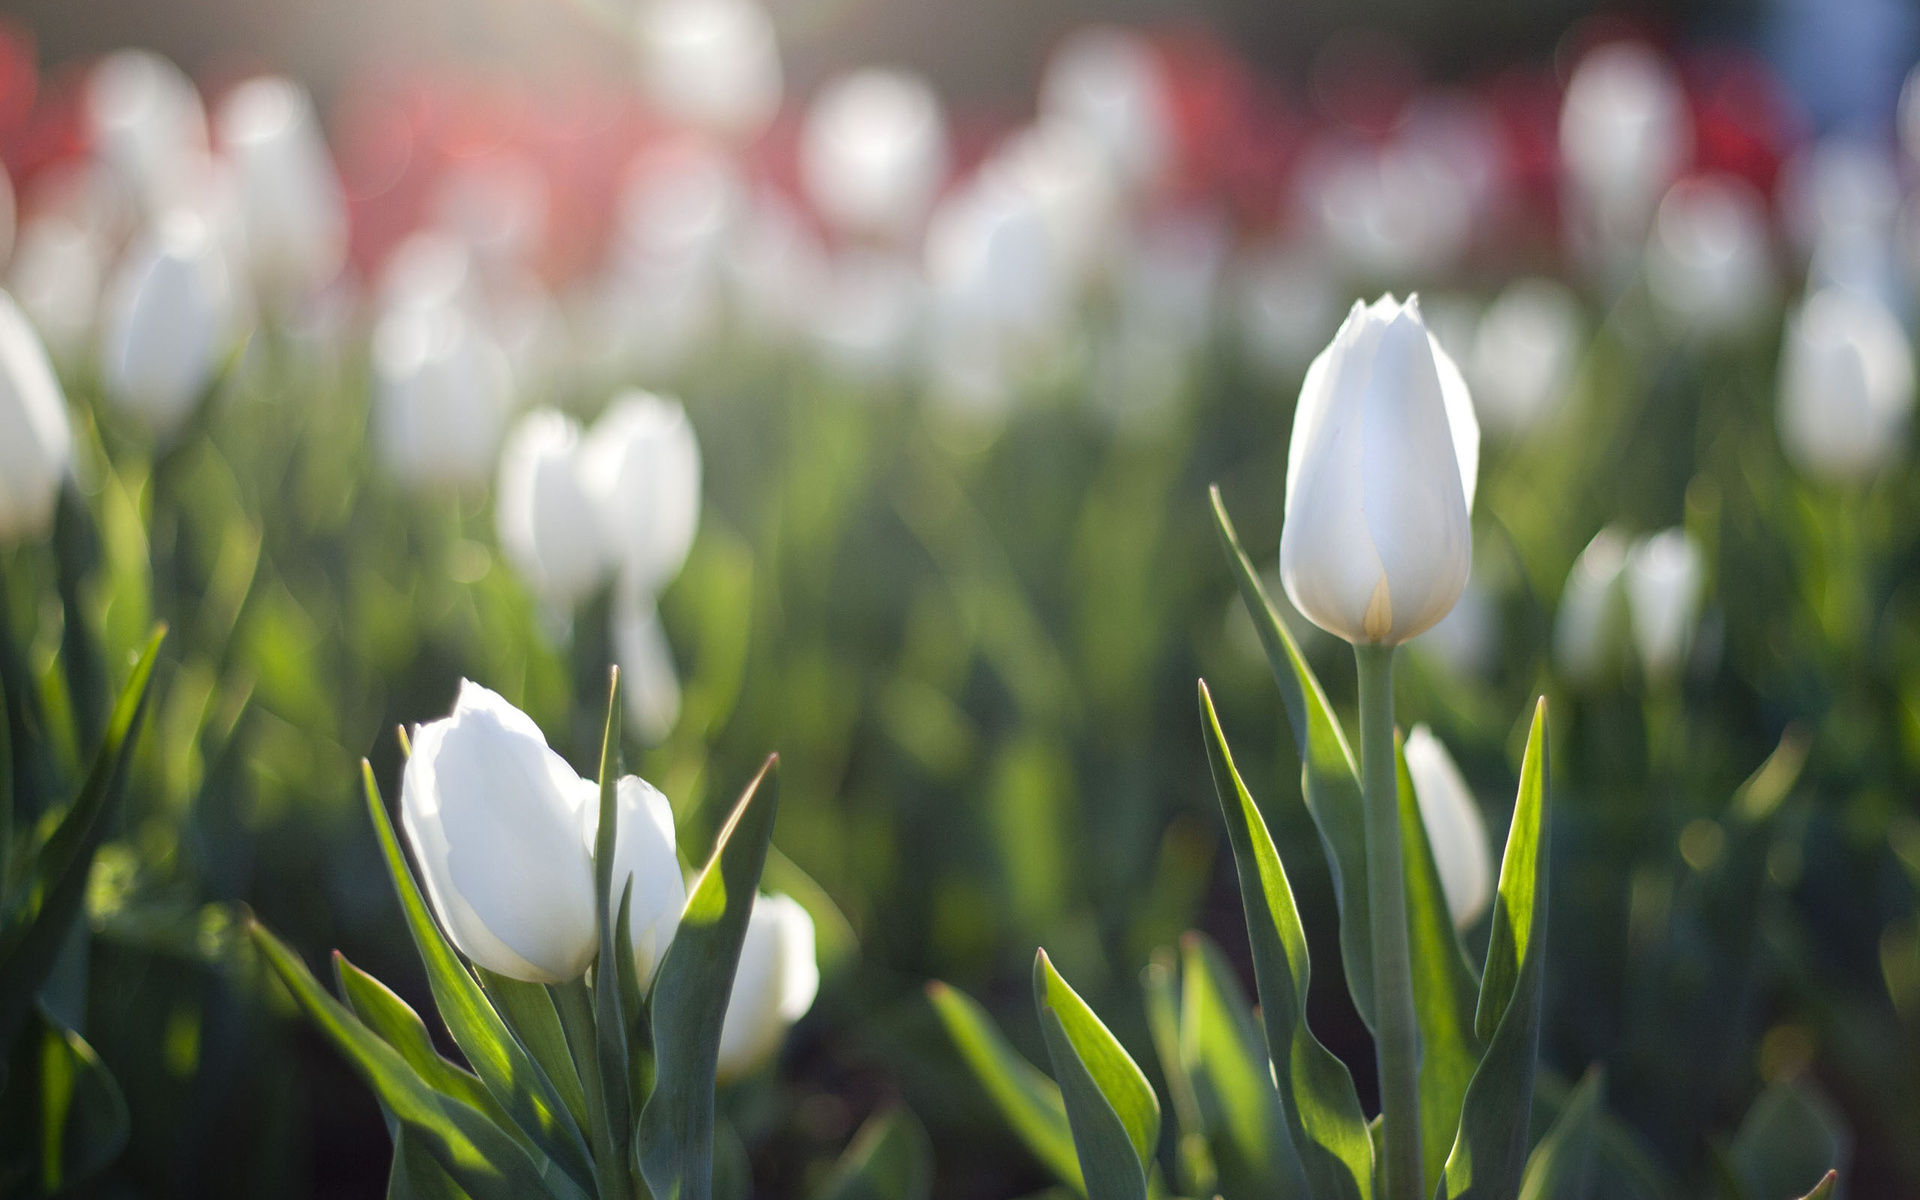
x,y
1396,1028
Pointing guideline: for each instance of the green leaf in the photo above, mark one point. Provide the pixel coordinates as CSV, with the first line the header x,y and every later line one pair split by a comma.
x,y
1824,1189
890,1158
1443,986
1490,1150
1029,1100
1193,1154
1790,1139
1227,1056
476,1153
516,1081
1119,1078
1324,1120
82,1117
527,1009
31,942
395,1023
674,1142
416,1174
1562,1165
1329,775
614,1132
1109,1160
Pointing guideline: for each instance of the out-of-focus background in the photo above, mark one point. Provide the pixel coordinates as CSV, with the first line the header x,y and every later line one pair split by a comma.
x,y
955,348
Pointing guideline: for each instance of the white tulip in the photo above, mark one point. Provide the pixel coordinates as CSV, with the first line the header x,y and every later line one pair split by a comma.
x,y
291,207
773,987
1839,185
169,320
442,393
873,152
649,679
1665,579
1846,386
641,466
1592,616
503,828
148,125
1380,479
57,273
1525,351
36,437
1455,829
1710,258
712,64
1057,168
548,525
1111,84
988,256
1625,135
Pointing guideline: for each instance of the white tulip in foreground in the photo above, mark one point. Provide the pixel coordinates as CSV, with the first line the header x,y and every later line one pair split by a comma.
x,y
641,465
1380,478
873,152
548,525
169,318
503,832
36,438
773,987
442,392
1665,582
1592,608
1846,386
1455,828
290,203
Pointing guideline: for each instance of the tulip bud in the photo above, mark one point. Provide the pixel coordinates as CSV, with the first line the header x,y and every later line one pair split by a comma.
x,y
1592,617
1710,259
291,207
1525,351
502,829
649,680
641,465
713,64
148,126
1624,135
1455,829
1380,477
873,152
1665,578
442,392
548,525
773,987
169,317
1112,85
1846,386
36,438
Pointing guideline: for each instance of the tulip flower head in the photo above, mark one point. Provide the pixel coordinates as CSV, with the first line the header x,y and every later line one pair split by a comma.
x,y
36,437
1710,258
503,829
1846,386
291,207
711,64
1625,134
1455,829
641,466
873,152
549,527
1592,618
442,392
56,274
169,318
1380,479
1525,350
1112,85
649,678
773,987
148,126
1665,582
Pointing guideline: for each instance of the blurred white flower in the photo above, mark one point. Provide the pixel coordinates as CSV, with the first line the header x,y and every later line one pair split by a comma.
x,y
1591,623
148,126
1846,386
989,257
711,64
57,273
503,831
1377,545
1866,261
290,202
873,152
649,678
1710,257
870,322
169,323
1665,581
641,466
1288,305
1057,167
547,521
1455,828
1625,135
774,986
1838,185
1111,85
36,437
1525,352
442,391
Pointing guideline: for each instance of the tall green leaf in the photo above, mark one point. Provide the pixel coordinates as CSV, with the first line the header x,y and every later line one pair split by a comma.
x,y
1226,1054
1562,1165
1193,1152
1108,1160
1490,1150
394,1022
32,940
674,1141
479,1155
516,1081
1113,1070
1029,1100
1324,1120
890,1158
1329,775
615,1127
527,1009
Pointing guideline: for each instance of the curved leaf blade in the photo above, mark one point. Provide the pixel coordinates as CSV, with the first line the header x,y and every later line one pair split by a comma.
x,y
1227,1056
890,1158
1119,1078
1109,1159
1562,1165
1029,1100
394,1022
